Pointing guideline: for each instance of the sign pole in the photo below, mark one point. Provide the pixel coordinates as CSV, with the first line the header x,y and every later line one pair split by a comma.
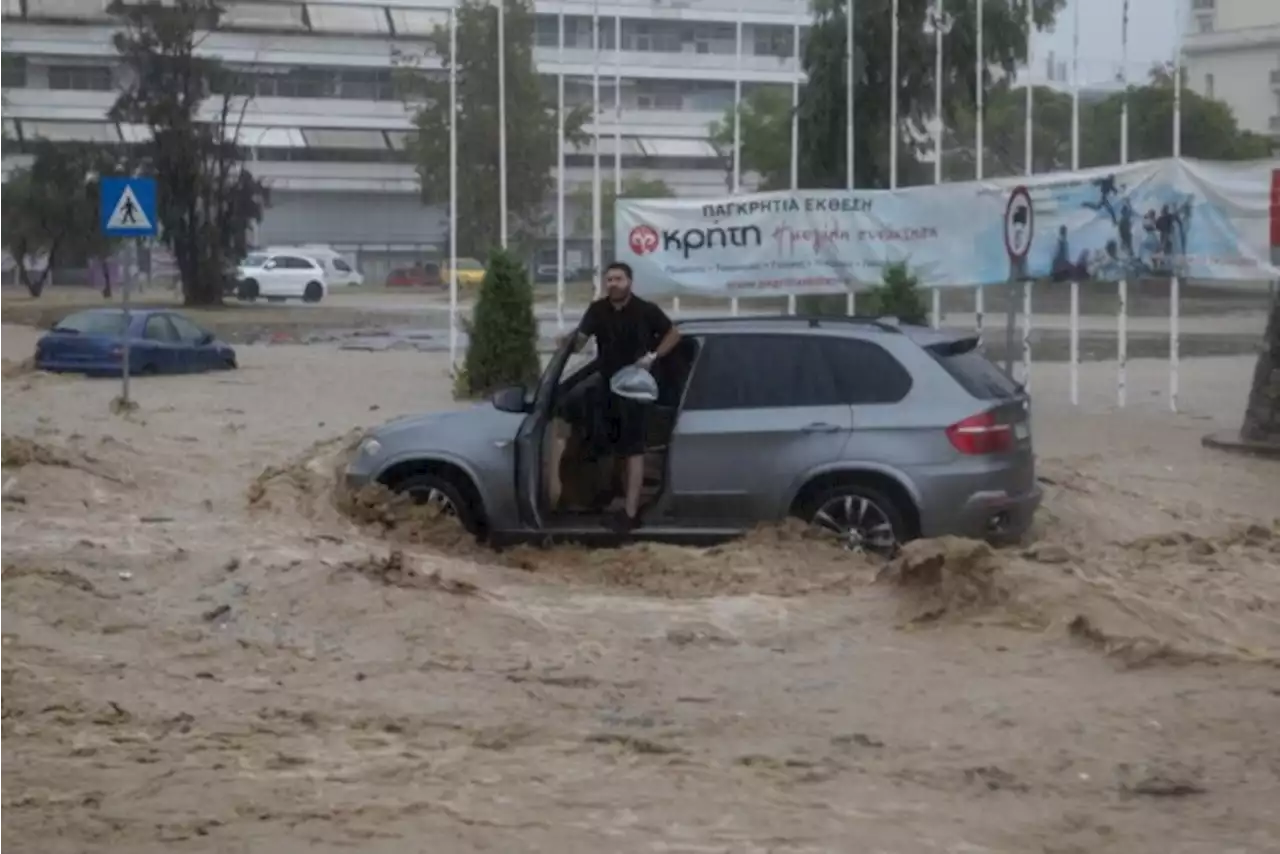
x,y
127,353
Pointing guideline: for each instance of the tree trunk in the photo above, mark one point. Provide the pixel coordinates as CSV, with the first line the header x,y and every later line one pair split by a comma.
x,y
1262,413
106,279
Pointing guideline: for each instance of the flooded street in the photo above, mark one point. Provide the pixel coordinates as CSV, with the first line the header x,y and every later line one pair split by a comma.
x,y
203,653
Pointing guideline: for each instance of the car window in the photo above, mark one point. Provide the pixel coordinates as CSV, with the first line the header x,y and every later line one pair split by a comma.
x,y
762,371
976,374
290,262
469,264
255,259
158,328
341,266
865,372
93,323
187,331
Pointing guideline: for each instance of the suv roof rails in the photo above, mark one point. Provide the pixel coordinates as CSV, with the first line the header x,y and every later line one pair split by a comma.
x,y
883,322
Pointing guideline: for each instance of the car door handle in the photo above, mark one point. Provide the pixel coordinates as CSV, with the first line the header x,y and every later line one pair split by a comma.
x,y
819,427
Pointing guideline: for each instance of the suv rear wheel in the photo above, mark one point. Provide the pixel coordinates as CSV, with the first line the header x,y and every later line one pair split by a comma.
x,y
862,518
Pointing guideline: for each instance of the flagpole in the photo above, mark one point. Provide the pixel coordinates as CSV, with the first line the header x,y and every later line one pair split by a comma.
x,y
1030,166
1122,308
596,249
734,306
939,29
893,100
502,119
617,108
851,299
795,132
1074,332
560,177
453,186
980,98
1174,283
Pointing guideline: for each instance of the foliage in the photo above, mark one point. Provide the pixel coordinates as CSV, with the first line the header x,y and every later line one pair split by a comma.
x,y
503,350
821,109
531,121
899,296
207,200
50,209
766,136
1209,130
632,188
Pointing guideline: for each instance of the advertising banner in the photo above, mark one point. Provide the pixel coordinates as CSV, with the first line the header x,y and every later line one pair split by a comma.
x,y
1200,220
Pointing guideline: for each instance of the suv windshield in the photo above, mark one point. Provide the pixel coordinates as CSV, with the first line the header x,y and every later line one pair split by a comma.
x,y
93,323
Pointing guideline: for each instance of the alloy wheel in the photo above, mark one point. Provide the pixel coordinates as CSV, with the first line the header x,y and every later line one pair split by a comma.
x,y
860,524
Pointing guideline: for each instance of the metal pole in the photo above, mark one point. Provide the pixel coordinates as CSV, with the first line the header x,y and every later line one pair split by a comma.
x,y
734,306
893,101
795,134
502,118
1122,306
1175,289
851,299
560,180
127,353
1074,323
453,186
980,99
596,248
617,109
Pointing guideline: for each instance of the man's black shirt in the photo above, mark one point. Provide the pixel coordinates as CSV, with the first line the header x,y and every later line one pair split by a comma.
x,y
624,334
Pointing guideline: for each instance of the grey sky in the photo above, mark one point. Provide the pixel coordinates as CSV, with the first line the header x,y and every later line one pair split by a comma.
x,y
1153,35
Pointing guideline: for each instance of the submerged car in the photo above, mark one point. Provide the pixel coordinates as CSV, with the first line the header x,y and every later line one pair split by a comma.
x,y
96,341
875,431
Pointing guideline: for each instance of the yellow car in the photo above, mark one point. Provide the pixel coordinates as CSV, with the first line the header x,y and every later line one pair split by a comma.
x,y
470,273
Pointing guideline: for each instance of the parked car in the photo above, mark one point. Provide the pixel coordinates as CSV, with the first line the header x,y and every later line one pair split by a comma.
x,y
418,276
279,276
876,431
470,273
338,271
95,342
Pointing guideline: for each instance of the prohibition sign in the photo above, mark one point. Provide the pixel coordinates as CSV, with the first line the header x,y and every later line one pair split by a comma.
x,y
1019,223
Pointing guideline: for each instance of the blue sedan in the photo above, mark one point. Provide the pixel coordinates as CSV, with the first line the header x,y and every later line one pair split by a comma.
x,y
94,342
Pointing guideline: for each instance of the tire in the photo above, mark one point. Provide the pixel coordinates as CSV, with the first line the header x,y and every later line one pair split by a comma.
x,y
313,292
230,364
875,509
424,487
248,291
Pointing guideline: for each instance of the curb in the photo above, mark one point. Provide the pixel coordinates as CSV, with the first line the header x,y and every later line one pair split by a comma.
x,y
1230,441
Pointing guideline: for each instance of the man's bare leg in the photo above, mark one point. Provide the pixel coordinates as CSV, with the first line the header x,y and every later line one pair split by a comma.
x,y
635,480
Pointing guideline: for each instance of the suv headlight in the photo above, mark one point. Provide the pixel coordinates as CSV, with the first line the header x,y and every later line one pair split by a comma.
x,y
370,447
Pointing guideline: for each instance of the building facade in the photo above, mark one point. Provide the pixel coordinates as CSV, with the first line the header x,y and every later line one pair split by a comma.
x,y
326,128
1231,52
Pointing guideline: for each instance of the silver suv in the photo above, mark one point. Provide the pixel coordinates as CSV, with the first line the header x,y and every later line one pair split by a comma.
x,y
877,431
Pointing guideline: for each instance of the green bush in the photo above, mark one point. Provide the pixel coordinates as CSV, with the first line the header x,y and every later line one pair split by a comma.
x,y
899,296
503,349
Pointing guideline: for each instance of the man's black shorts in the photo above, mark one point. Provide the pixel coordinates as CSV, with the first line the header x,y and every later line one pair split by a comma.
x,y
625,421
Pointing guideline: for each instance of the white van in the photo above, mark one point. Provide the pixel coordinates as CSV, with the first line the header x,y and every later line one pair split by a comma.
x,y
339,272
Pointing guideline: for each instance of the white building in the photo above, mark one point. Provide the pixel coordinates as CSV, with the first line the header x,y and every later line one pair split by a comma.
x,y
326,129
1232,53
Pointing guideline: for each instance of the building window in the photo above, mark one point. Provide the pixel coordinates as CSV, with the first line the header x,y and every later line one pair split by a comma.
x,y
547,31
93,78
773,41
13,75
1203,5
1208,85
1204,22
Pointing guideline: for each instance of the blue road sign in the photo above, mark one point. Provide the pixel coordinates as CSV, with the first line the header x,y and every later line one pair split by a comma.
x,y
127,206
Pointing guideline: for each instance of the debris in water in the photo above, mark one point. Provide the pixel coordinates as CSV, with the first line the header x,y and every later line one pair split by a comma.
x,y
394,571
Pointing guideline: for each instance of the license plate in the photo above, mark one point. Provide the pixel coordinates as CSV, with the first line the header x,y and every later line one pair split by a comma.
x,y
1022,431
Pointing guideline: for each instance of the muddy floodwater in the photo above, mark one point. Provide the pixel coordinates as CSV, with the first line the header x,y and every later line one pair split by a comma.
x,y
208,648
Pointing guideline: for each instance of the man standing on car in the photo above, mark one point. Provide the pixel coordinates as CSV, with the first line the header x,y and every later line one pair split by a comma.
x,y
628,331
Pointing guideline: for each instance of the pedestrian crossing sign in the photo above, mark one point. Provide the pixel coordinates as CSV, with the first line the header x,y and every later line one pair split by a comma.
x,y
127,206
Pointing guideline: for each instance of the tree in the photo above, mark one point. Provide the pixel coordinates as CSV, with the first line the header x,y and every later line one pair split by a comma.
x,y
1004,134
531,121
503,350
899,296
1262,412
766,137
632,188
207,200
50,209
821,110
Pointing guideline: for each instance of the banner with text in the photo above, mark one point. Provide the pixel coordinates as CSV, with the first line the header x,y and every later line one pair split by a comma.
x,y
1200,220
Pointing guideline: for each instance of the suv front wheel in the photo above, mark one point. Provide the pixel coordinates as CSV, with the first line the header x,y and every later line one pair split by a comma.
x,y
861,518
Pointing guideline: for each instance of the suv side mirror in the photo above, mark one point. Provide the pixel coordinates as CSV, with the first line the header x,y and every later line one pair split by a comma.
x,y
205,339
270,265
510,399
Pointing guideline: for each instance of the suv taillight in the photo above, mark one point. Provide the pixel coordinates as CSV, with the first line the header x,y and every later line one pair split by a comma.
x,y
981,434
